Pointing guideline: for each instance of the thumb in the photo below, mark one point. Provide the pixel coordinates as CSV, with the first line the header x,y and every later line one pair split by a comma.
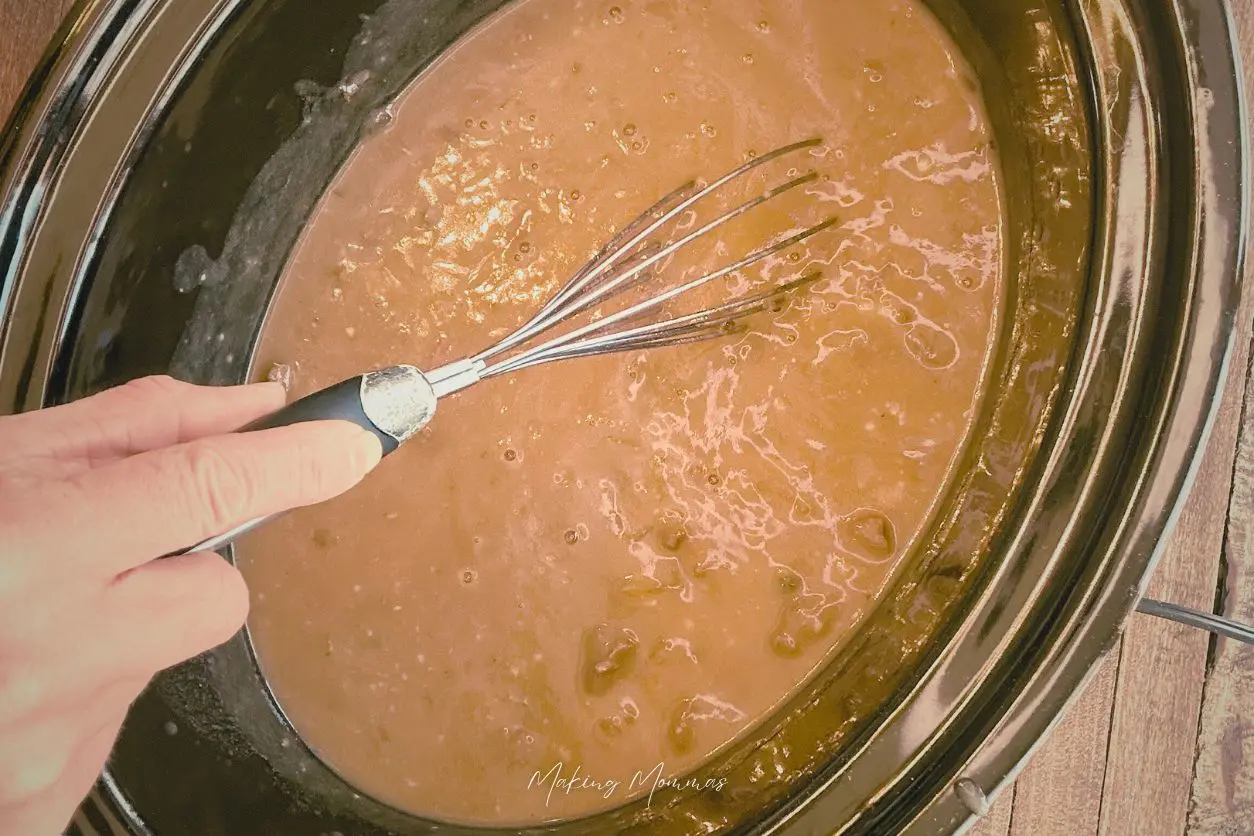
x,y
168,611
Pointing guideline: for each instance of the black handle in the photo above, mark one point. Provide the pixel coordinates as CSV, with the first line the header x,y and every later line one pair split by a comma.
x,y
341,402
393,403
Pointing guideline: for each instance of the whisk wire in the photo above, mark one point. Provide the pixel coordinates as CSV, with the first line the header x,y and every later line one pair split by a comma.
x,y
686,198
627,261
603,326
584,290
617,247
713,323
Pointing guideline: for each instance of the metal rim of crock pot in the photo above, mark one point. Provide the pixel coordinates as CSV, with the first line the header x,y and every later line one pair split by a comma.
x,y
1196,33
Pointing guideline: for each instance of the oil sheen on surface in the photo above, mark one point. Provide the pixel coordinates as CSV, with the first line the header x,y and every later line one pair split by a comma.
x,y
605,570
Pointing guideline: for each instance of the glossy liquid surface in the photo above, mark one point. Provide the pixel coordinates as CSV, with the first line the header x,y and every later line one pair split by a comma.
x,y
607,569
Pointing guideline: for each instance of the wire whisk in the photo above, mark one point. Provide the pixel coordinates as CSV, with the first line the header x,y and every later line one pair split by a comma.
x,y
397,402
629,260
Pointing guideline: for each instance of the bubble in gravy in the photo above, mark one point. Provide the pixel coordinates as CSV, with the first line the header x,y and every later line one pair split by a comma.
x,y
931,345
693,715
869,534
609,656
804,619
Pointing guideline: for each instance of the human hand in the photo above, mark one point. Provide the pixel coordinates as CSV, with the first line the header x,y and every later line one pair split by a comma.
x,y
90,494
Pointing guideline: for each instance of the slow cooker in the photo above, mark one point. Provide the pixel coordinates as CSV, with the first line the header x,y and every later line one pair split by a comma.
x,y
158,171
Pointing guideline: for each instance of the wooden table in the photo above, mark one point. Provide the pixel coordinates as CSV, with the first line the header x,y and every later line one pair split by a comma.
x,y
1162,743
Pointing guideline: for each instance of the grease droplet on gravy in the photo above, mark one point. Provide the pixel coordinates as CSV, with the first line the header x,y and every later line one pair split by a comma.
x,y
625,561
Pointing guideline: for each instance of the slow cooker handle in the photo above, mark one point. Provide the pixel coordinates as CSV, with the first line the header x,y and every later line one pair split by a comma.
x,y
393,403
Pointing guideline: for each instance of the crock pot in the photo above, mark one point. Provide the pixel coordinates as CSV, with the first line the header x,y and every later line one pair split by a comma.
x,y
161,164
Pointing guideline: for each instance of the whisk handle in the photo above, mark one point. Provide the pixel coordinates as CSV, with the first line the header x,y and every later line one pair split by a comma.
x,y
393,403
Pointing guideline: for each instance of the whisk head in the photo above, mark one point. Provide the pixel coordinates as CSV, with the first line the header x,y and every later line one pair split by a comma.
x,y
634,260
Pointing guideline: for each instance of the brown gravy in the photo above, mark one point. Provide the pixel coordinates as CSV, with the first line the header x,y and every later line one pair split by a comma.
x,y
614,566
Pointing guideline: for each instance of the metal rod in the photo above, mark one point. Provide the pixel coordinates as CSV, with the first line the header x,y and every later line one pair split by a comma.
x,y
559,308
1209,622
552,348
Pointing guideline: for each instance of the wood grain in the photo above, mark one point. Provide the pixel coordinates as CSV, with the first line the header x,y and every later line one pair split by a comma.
x,y
1060,793
997,822
26,27
1223,785
1153,739
1222,802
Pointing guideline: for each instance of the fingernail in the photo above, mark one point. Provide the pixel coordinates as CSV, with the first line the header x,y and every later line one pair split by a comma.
x,y
366,453
267,384
272,388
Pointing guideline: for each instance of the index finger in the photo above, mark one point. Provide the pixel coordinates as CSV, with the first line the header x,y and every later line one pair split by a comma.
x,y
124,514
145,414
